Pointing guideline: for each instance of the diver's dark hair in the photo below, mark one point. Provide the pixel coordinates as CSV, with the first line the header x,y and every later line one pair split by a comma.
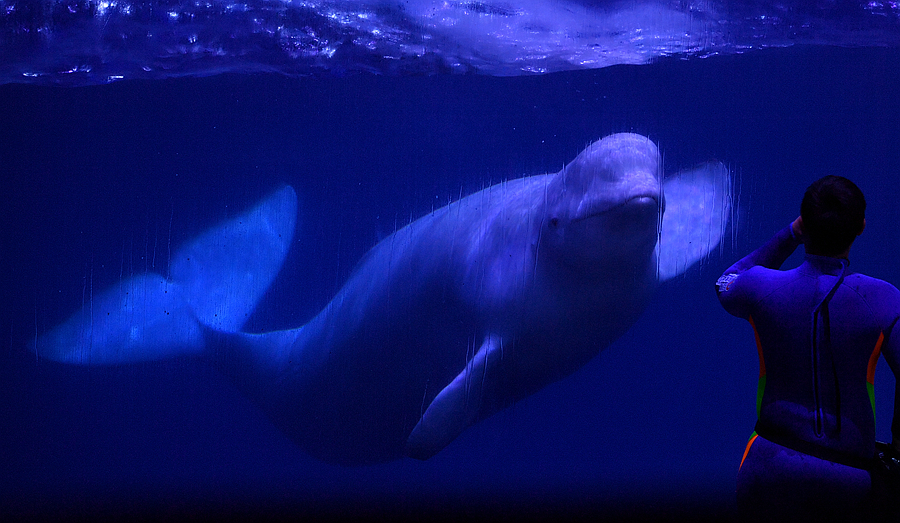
x,y
833,212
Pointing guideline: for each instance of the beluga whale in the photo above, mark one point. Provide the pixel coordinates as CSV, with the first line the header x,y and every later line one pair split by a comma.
x,y
446,321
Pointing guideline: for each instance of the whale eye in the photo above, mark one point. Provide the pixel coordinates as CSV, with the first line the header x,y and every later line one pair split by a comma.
x,y
554,222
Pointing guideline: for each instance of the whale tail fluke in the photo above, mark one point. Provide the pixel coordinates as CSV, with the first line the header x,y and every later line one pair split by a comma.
x,y
216,281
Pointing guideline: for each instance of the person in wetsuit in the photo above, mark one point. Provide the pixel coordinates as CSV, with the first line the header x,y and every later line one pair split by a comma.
x,y
819,329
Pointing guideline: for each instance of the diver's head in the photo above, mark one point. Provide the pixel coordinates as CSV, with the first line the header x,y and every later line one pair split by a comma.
x,y
834,214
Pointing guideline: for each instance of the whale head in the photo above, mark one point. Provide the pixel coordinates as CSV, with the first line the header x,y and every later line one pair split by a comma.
x,y
607,204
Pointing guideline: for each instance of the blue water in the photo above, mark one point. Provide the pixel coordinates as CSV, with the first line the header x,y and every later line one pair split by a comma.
x,y
102,181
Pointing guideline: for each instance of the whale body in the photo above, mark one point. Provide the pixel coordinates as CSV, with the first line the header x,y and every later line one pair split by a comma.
x,y
443,323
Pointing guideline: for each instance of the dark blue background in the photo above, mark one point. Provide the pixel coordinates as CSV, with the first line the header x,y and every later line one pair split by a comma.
x,y
102,182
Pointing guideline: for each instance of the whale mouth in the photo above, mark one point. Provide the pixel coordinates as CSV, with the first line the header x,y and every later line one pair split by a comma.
x,y
639,203
642,200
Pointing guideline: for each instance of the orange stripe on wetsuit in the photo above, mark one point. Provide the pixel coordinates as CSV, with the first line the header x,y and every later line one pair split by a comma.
x,y
870,372
760,387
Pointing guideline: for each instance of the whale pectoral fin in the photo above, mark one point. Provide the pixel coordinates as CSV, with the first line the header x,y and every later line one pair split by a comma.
x,y
456,407
698,206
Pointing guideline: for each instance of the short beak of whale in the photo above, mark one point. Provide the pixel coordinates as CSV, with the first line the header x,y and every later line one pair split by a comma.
x,y
636,211
642,201
635,205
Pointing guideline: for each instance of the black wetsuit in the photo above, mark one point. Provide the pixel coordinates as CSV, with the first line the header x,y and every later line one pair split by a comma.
x,y
819,331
